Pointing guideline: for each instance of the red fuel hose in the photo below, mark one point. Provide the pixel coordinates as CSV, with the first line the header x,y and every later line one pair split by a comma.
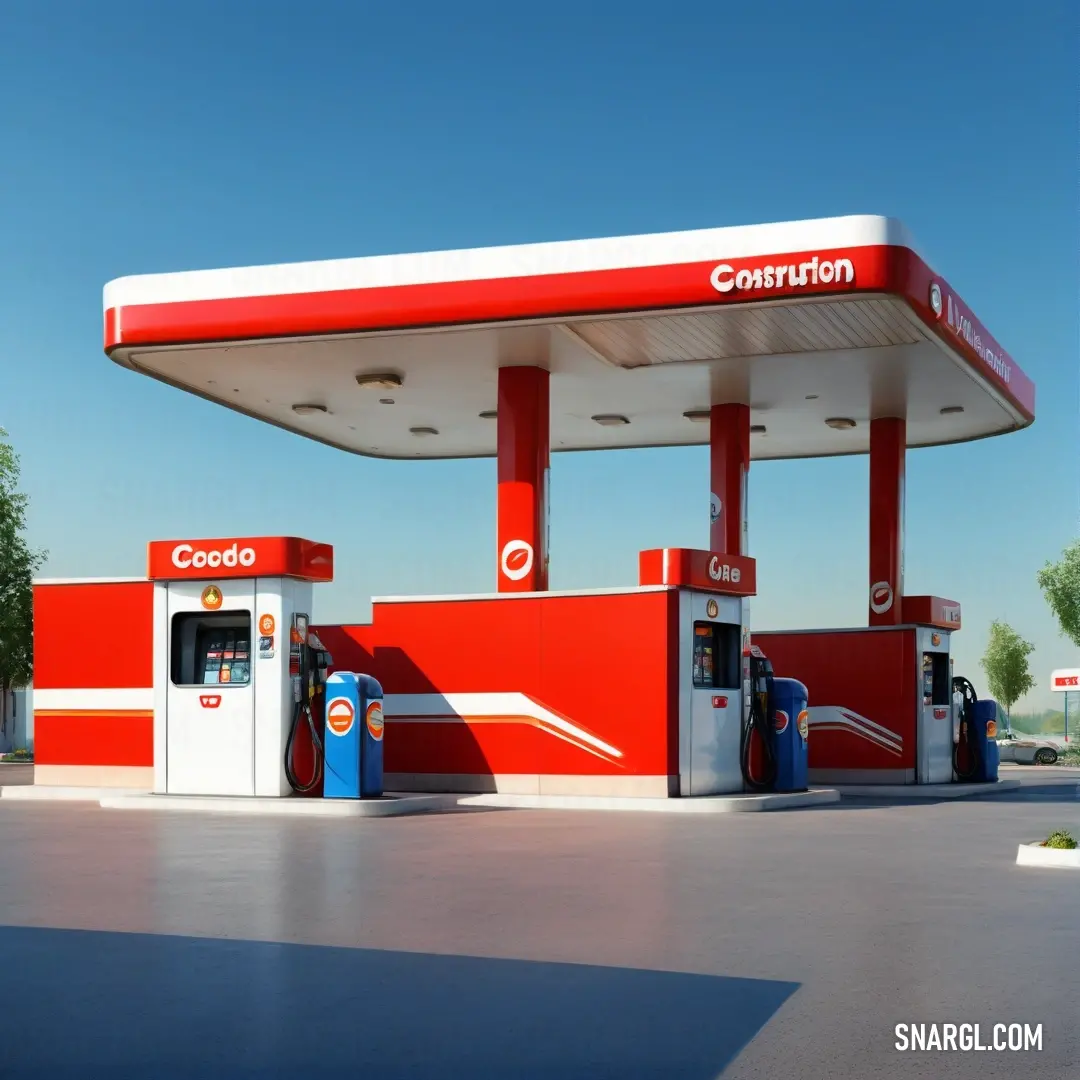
x,y
303,709
963,687
757,722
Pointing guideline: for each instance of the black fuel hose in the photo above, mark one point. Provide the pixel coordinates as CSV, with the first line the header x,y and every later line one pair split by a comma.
x,y
759,722
303,710
964,688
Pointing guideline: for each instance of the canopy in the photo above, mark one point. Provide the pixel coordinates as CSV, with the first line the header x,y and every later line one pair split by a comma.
x,y
819,326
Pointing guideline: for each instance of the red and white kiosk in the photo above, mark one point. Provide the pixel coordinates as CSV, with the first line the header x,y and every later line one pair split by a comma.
x,y
793,340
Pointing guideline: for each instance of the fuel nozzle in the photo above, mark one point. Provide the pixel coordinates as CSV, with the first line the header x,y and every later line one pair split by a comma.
x,y
321,659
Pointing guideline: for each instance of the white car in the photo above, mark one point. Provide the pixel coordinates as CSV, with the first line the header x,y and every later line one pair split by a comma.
x,y
1026,750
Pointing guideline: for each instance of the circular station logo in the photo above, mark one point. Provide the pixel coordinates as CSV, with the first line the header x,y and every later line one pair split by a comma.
x,y
715,506
881,597
780,721
991,729
266,625
340,716
374,720
212,598
935,298
516,560
712,609
804,725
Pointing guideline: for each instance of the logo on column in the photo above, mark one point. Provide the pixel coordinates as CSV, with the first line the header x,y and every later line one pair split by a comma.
x,y
715,506
781,721
804,724
881,597
516,560
374,720
339,716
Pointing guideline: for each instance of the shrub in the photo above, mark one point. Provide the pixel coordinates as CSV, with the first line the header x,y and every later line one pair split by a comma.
x,y
1060,839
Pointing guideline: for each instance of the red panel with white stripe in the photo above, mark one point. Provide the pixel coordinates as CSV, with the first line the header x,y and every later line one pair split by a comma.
x,y
554,685
93,673
862,688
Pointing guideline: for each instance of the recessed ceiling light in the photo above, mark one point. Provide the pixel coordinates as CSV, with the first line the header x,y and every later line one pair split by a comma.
x,y
381,380
489,414
423,432
811,397
610,420
840,423
697,416
757,429
952,410
309,409
386,401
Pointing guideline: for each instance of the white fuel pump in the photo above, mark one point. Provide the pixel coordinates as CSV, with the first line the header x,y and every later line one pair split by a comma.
x,y
225,681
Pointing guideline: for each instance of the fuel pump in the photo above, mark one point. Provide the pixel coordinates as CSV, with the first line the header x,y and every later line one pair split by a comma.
x,y
975,731
308,668
758,723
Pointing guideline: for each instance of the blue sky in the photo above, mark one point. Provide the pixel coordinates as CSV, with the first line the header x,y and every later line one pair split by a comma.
x,y
139,138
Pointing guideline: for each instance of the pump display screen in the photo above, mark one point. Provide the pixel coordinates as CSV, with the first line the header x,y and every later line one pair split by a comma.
x,y
211,649
225,657
936,684
715,661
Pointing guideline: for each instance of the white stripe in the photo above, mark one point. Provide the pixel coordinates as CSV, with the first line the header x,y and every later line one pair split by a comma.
x,y
837,714
850,729
581,741
421,706
526,260
855,729
120,698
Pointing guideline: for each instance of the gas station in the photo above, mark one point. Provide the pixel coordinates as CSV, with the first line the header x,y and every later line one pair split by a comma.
x,y
793,340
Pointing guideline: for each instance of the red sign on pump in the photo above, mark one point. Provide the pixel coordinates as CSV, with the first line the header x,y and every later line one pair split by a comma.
x,y
932,611
711,571
246,557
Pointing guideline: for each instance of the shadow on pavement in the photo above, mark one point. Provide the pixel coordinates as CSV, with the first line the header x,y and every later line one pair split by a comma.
x,y
1049,792
131,1005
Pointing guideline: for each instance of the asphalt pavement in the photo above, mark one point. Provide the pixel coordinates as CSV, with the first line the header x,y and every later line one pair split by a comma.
x,y
526,944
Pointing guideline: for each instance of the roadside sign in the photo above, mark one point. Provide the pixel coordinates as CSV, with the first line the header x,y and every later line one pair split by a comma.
x,y
1065,680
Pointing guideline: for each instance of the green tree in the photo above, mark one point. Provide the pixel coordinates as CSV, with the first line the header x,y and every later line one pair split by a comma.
x,y
1006,665
17,566
1060,584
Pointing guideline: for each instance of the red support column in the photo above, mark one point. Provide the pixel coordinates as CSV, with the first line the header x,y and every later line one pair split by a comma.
x,y
524,459
729,459
888,442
